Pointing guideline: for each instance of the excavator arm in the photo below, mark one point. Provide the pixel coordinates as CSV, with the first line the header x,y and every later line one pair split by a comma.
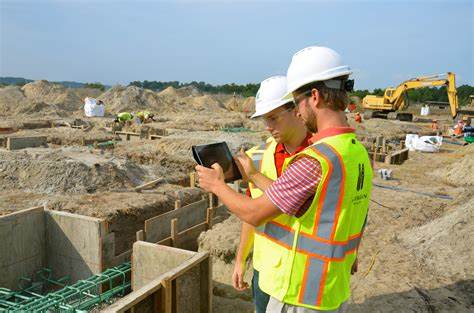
x,y
397,96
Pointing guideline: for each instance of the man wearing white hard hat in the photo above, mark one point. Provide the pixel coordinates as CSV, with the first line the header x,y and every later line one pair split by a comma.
x,y
289,136
324,189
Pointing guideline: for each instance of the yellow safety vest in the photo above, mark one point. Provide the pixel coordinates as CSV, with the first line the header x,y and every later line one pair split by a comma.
x,y
264,160
312,265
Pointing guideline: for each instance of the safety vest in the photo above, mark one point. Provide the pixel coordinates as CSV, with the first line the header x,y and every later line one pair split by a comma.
x,y
264,160
124,116
143,115
312,265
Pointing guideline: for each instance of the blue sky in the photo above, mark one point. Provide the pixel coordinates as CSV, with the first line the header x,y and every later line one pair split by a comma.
x,y
232,41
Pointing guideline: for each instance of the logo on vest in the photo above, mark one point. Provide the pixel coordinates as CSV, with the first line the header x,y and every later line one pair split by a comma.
x,y
360,179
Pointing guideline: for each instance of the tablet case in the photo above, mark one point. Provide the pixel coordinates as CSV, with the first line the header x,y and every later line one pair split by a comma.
x,y
206,155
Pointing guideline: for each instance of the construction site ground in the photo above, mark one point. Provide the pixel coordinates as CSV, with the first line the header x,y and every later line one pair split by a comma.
x,y
416,254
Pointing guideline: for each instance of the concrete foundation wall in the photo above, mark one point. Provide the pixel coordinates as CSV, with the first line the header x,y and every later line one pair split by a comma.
x,y
69,244
166,279
22,245
73,244
151,260
15,143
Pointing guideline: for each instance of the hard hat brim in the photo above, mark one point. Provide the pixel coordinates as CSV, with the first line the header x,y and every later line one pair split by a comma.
x,y
270,106
337,72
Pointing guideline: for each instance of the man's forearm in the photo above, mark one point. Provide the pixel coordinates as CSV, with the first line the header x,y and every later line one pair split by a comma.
x,y
261,181
246,242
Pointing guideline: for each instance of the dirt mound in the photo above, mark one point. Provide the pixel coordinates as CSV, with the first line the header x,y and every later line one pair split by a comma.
x,y
169,92
222,240
240,104
11,98
54,172
50,93
444,245
386,128
42,98
460,172
131,98
204,102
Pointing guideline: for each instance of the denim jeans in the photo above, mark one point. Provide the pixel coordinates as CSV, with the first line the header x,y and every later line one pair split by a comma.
x,y
260,298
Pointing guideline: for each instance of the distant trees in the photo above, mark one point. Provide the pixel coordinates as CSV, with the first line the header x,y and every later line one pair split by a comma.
x,y
246,90
95,85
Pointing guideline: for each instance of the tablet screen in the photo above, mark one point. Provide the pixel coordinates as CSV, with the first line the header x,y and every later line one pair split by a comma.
x,y
206,155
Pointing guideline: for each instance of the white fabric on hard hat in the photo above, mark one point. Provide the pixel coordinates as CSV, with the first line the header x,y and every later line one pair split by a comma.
x,y
270,95
314,64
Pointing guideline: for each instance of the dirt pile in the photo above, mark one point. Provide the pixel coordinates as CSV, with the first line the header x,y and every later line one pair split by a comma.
x,y
444,245
222,242
386,128
131,98
53,172
11,98
42,98
460,172
240,104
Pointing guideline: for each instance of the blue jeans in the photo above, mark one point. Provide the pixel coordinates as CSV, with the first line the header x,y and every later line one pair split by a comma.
x,y
260,298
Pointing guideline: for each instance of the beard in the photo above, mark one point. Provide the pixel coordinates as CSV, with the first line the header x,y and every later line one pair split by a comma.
x,y
310,122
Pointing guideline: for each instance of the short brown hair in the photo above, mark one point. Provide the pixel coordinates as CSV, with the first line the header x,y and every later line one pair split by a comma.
x,y
336,99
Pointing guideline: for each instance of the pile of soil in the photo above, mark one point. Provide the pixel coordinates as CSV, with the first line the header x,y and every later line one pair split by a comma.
x,y
461,171
222,242
119,99
390,129
53,172
444,245
42,98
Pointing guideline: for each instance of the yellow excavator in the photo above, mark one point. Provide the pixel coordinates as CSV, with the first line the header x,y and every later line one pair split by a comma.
x,y
395,99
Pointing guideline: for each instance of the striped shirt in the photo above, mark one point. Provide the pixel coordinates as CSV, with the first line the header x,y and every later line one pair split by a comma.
x,y
294,191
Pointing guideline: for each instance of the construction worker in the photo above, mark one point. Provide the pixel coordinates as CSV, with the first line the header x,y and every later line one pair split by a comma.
x,y
321,199
458,128
435,127
352,107
468,131
289,136
358,118
123,117
145,116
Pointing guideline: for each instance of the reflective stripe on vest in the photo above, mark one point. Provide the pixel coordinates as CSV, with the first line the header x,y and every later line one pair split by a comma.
x,y
257,158
319,246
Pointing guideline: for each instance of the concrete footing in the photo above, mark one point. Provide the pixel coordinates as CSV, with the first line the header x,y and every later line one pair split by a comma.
x,y
69,244
15,143
166,279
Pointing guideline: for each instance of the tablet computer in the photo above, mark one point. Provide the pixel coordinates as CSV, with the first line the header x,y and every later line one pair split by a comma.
x,y
206,155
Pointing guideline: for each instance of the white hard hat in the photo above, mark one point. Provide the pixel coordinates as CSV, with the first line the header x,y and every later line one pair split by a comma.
x,y
314,64
270,95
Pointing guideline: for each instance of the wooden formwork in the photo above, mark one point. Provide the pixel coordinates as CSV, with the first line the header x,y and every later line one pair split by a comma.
x,y
151,134
181,227
380,151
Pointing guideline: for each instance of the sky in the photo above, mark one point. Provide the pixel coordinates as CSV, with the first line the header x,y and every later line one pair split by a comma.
x,y
119,41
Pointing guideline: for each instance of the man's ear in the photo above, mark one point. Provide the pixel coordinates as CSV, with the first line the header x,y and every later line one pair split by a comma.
x,y
317,99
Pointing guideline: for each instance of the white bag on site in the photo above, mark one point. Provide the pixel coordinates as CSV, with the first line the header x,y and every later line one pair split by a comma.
x,y
91,108
410,140
425,110
429,143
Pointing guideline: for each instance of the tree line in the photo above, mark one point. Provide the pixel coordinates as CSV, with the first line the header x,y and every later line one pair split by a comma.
x,y
248,90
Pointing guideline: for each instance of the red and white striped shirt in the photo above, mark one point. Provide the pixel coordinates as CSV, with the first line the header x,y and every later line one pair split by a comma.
x,y
294,191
